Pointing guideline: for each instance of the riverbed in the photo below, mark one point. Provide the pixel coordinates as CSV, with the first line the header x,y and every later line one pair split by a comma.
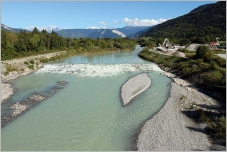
x,y
87,114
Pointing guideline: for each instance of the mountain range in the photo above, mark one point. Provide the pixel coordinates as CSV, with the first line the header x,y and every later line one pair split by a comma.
x,y
10,29
126,31
205,20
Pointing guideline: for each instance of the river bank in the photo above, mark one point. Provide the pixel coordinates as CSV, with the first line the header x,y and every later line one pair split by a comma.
x,y
12,69
173,128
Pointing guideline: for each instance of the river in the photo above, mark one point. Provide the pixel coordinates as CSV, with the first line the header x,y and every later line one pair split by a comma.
x,y
88,113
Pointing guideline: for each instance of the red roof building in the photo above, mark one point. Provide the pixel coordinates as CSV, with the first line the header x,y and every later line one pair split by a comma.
x,y
214,43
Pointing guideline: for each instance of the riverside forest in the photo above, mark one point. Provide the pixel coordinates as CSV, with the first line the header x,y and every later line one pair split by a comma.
x,y
23,44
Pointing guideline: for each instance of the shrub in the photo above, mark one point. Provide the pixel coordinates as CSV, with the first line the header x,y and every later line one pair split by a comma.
x,y
44,60
31,66
220,61
217,128
26,62
204,52
31,61
9,68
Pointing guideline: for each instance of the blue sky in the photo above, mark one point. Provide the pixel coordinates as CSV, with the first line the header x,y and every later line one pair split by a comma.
x,y
102,14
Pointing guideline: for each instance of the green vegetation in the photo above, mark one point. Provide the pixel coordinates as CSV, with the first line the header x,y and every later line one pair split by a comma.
x,y
26,62
201,25
16,45
185,50
31,66
9,68
219,51
207,73
204,53
217,128
216,124
31,61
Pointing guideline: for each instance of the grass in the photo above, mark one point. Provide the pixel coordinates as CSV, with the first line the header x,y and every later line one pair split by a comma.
x,y
207,75
219,51
216,124
9,68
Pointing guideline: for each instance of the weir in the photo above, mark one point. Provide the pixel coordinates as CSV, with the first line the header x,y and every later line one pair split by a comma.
x,y
102,70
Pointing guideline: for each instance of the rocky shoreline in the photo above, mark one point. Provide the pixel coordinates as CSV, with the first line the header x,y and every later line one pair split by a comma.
x,y
172,129
22,69
15,110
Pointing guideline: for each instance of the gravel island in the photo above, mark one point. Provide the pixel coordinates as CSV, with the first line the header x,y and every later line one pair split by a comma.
x,y
134,86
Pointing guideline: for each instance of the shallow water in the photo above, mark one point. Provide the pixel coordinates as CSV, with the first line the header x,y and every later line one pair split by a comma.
x,y
88,113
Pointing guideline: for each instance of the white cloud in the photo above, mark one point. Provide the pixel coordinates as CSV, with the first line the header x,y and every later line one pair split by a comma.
x,y
143,22
102,23
115,22
92,27
47,28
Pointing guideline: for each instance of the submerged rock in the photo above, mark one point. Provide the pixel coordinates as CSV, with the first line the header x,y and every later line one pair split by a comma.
x,y
17,109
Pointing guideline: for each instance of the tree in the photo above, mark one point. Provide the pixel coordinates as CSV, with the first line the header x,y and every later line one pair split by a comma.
x,y
35,31
184,41
12,38
201,40
35,41
20,45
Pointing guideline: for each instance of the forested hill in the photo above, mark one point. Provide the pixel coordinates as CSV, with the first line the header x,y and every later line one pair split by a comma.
x,y
207,20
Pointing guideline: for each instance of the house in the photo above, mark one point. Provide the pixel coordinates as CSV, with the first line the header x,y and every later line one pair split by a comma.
x,y
212,44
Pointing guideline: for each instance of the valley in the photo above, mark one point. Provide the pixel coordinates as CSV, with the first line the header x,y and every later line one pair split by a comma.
x,y
117,84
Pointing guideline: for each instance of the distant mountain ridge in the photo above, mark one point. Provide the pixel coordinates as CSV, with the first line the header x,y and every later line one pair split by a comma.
x,y
205,20
126,31
10,29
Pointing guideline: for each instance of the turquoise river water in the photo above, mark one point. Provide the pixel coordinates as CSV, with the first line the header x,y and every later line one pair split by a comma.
x,y
88,113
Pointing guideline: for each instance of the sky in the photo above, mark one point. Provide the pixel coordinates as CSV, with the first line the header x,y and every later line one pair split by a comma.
x,y
92,14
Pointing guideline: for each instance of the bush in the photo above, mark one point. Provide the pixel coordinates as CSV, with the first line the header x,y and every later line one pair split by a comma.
x,y
217,128
31,66
204,52
32,61
43,60
26,62
220,61
9,68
